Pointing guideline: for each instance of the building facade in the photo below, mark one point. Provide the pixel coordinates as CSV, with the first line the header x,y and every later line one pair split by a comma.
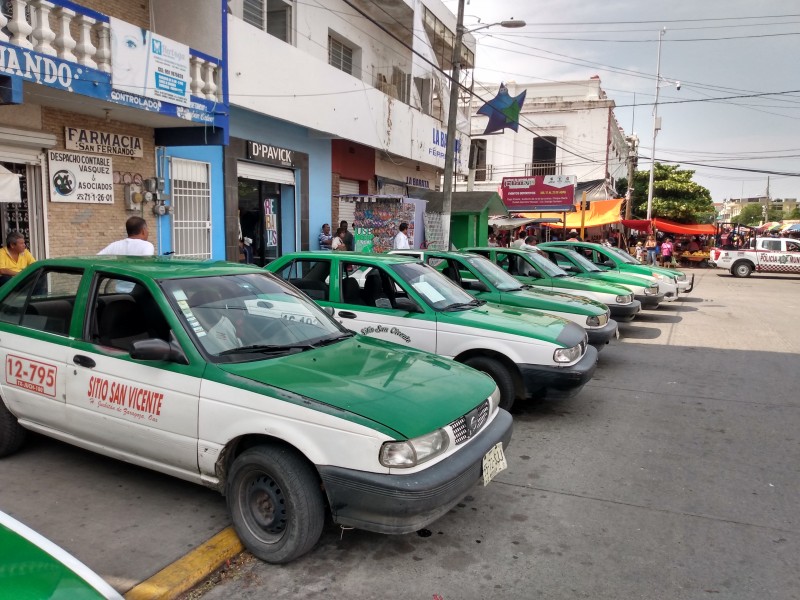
x,y
565,128
109,109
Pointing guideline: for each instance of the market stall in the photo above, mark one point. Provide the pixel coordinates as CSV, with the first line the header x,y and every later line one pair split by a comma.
x,y
376,218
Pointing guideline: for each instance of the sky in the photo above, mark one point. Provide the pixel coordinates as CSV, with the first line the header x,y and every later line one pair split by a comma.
x,y
618,41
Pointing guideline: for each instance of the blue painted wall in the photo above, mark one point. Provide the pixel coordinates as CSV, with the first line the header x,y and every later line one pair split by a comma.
x,y
252,126
212,155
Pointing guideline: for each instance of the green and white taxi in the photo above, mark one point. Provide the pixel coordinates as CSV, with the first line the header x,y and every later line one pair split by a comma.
x,y
533,268
226,376
671,282
34,568
400,299
486,281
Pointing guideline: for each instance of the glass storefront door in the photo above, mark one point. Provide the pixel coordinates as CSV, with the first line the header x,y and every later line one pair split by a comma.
x,y
260,218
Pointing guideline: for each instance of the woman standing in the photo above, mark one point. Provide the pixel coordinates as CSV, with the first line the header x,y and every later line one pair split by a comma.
x,y
650,247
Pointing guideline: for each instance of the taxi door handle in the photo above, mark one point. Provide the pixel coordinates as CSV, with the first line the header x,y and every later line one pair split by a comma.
x,y
346,314
84,361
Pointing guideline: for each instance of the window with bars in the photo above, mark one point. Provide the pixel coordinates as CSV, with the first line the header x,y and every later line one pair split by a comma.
x,y
272,16
340,56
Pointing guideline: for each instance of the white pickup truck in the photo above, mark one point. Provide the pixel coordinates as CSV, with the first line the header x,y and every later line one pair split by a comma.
x,y
764,255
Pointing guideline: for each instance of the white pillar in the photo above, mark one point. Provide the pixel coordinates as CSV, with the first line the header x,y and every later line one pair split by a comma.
x,y
209,86
64,41
18,26
3,22
103,55
85,49
196,83
43,34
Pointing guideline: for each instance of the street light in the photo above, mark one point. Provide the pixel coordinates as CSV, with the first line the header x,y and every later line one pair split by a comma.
x,y
449,157
656,122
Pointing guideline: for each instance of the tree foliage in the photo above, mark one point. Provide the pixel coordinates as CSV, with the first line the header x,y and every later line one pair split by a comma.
x,y
675,196
753,214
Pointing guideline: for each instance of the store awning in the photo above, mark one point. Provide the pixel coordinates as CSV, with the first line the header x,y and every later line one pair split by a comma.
x,y
601,212
684,229
509,223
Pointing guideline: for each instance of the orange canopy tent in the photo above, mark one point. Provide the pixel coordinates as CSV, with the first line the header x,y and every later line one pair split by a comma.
x,y
683,229
600,212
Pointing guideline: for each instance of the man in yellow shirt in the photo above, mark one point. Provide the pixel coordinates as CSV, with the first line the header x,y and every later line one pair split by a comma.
x,y
14,257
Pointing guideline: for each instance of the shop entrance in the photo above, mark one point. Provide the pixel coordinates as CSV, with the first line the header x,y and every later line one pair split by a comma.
x,y
25,216
259,219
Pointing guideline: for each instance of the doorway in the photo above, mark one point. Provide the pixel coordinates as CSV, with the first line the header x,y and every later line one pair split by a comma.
x,y
260,219
25,216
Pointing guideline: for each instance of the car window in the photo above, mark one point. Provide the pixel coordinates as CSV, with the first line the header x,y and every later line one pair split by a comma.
x,y
436,289
497,276
44,301
544,264
570,256
248,316
771,245
311,276
624,256
124,311
371,285
792,246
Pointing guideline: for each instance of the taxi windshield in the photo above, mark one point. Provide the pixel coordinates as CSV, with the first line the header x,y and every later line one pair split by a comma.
x,y
583,262
436,290
550,268
496,276
249,316
624,256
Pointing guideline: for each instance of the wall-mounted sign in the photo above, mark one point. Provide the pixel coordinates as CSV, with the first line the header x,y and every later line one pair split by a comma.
x,y
78,177
269,154
418,182
149,65
270,222
438,148
540,193
102,142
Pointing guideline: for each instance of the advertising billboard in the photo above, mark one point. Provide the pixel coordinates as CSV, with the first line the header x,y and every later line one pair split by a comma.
x,y
542,193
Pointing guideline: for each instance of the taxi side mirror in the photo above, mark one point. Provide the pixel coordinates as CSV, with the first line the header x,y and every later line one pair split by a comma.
x,y
157,349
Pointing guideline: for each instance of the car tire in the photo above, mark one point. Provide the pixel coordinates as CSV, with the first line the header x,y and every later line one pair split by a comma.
x,y
12,434
275,502
502,378
741,269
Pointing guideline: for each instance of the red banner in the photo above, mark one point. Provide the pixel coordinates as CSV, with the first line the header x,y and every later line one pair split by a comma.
x,y
540,193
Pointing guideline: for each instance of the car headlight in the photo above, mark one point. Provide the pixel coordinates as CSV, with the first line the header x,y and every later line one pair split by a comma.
x,y
567,355
494,400
593,321
652,290
623,299
410,453
681,277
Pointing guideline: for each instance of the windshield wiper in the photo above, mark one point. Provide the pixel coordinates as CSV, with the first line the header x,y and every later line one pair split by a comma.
x,y
464,305
267,349
336,338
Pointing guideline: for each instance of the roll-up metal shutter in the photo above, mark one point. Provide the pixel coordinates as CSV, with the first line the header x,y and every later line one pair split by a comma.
x,y
265,173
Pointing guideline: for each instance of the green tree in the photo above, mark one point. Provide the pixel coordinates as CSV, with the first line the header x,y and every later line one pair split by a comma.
x,y
793,214
753,214
675,196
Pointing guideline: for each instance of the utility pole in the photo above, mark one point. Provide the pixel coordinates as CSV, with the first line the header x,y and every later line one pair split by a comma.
x,y
633,159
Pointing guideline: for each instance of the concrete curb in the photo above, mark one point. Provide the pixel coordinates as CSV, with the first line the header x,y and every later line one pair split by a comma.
x,y
191,569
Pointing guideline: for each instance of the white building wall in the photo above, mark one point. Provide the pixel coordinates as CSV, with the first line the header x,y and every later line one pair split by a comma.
x,y
576,113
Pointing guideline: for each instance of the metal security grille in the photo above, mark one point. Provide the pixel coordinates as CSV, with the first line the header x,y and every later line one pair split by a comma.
x,y
191,204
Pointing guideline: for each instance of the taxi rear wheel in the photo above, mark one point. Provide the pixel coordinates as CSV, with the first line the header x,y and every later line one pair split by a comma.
x,y
742,269
275,502
502,378
12,434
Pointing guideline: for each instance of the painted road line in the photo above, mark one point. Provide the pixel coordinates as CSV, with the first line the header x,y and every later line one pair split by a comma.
x,y
188,571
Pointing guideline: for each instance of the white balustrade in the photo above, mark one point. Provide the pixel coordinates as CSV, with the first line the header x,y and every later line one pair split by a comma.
x,y
3,22
209,85
103,55
64,41
18,25
196,72
85,50
42,33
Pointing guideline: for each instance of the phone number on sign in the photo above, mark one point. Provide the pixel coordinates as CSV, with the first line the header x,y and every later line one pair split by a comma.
x,y
91,197
31,375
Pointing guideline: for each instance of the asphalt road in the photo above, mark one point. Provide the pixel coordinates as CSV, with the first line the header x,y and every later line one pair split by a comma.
x,y
674,474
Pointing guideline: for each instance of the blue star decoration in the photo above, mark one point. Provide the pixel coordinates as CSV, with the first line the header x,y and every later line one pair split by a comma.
x,y
503,111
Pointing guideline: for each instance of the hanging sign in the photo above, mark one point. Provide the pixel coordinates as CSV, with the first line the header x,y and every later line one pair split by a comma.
x,y
540,193
102,142
76,177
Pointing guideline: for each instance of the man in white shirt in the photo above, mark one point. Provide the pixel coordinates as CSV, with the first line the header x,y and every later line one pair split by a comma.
x,y
135,244
401,239
520,241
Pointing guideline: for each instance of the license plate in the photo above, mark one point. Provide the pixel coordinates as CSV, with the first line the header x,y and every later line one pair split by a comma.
x,y
493,462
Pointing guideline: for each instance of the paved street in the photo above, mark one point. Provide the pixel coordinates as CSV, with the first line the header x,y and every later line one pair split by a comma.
x,y
674,474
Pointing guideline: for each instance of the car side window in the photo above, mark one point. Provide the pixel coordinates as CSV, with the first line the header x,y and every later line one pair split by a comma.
x,y
792,247
310,276
123,312
43,301
774,245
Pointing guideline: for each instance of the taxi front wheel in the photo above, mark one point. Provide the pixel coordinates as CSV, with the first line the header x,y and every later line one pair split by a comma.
x,y
275,502
502,378
12,434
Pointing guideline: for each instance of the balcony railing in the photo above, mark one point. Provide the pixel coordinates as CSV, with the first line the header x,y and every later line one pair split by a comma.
x,y
76,34
535,169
